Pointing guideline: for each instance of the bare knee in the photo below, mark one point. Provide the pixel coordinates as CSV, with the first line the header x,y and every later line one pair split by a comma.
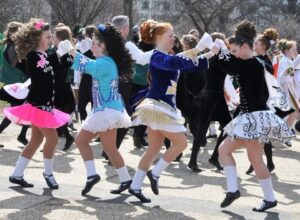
x,y
78,141
37,141
53,140
255,159
222,150
181,142
184,143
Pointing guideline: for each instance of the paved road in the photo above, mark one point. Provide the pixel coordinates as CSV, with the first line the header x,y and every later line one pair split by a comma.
x,y
183,194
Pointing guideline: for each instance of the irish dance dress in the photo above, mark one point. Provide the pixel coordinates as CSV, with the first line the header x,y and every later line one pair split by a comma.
x,y
255,120
38,109
108,108
158,110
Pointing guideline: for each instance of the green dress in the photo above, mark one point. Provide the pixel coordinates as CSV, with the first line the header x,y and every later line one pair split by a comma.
x,y
8,73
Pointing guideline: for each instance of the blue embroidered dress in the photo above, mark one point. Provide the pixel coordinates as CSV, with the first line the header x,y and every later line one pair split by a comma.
x,y
107,101
159,110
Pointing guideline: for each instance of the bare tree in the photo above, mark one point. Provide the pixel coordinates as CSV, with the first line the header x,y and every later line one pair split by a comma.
x,y
5,12
220,15
72,12
128,7
32,9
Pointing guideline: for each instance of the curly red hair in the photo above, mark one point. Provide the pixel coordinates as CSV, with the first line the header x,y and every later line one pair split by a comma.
x,y
150,29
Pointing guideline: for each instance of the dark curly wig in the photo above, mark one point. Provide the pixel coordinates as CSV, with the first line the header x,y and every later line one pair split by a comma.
x,y
116,49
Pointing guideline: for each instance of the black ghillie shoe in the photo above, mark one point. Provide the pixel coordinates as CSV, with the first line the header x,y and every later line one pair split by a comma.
x,y
211,136
230,197
91,181
51,182
22,140
194,168
178,158
153,181
216,164
69,142
122,187
271,167
250,170
138,194
264,205
20,181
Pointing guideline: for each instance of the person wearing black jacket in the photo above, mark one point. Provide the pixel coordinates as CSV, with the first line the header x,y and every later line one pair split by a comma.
x,y
11,57
64,99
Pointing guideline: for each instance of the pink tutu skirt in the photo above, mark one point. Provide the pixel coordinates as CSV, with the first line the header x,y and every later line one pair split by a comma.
x,y
27,114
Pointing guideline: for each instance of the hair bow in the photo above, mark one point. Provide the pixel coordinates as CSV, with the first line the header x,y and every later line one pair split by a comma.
x,y
102,28
39,25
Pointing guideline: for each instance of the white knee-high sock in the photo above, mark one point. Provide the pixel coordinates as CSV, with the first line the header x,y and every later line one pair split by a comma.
x,y
48,165
90,168
267,188
20,167
138,179
123,174
159,167
231,178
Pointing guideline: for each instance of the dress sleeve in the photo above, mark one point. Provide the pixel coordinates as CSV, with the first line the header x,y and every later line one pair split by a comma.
x,y
66,60
84,64
283,67
284,70
96,68
35,66
234,66
177,63
138,55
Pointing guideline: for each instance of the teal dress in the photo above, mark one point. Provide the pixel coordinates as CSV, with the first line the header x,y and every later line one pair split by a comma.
x,y
108,107
105,81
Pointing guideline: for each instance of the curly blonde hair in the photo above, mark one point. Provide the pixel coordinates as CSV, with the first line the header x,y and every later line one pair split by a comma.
x,y
28,36
284,45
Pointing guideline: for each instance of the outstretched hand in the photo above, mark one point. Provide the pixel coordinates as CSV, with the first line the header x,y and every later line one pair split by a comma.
x,y
64,47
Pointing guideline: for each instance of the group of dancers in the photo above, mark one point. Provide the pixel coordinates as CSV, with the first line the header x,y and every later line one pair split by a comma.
x,y
207,73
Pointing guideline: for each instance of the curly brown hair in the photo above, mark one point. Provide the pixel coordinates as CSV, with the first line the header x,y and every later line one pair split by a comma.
x,y
28,36
189,41
268,37
12,27
245,33
63,33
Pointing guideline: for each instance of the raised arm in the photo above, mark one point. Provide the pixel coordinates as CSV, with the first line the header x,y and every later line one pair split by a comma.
x,y
177,63
138,55
83,64
233,66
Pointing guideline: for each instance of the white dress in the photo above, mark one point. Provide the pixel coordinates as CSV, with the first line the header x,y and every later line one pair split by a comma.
x,y
286,75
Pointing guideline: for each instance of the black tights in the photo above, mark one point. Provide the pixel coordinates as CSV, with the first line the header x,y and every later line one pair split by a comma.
x,y
6,122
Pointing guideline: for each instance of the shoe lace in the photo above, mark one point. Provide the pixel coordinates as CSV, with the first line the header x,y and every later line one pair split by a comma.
x,y
52,180
142,196
261,205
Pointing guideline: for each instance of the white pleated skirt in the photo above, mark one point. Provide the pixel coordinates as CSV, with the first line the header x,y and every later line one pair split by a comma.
x,y
107,119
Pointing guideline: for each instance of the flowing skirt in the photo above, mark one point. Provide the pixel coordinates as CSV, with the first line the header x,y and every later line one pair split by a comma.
x,y
27,114
259,125
158,116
